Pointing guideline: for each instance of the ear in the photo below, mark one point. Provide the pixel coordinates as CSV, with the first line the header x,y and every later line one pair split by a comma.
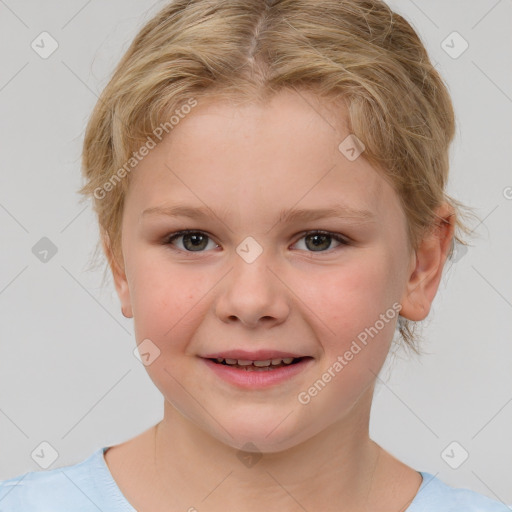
x,y
119,276
427,266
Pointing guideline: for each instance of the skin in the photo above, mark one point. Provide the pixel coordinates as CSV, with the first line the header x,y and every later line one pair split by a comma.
x,y
246,164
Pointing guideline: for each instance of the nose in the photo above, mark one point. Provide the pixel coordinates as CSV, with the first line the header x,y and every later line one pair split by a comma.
x,y
252,294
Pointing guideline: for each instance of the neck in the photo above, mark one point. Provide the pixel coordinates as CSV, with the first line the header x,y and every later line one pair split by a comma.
x,y
341,461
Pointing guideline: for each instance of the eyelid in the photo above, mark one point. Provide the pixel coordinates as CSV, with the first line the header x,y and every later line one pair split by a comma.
x,y
177,234
343,240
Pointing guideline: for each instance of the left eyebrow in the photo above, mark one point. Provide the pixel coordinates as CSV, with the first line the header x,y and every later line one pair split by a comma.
x,y
336,211
285,215
179,211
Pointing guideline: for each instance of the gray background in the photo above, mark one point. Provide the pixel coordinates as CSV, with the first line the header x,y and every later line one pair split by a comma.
x,y
68,375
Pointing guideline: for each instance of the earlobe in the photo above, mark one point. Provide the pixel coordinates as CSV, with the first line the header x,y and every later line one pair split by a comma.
x,y
119,277
427,265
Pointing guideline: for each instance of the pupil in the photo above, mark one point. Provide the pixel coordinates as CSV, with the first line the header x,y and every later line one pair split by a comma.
x,y
319,245
198,241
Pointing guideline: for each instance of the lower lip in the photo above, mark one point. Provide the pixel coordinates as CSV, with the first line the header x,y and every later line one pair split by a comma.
x,y
257,379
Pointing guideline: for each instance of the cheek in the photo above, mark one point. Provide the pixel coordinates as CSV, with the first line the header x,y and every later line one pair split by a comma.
x,y
352,297
356,304
166,301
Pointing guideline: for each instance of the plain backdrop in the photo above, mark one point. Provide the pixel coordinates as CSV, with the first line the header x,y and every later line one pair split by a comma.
x,y
68,376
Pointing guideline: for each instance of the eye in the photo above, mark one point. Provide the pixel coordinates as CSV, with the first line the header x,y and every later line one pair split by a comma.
x,y
197,241
193,241
320,241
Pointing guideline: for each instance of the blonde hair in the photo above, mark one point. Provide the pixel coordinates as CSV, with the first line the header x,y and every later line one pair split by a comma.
x,y
358,52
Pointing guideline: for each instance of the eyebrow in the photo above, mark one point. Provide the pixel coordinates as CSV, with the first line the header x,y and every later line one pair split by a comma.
x,y
285,215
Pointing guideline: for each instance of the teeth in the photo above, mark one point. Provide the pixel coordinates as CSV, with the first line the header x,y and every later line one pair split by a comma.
x,y
260,364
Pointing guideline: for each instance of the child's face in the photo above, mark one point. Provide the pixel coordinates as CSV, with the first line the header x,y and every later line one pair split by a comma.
x,y
302,295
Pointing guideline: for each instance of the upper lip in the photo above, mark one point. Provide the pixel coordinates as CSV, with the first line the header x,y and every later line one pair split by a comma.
x,y
257,355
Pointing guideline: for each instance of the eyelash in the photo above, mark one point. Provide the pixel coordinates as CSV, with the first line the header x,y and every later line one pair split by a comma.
x,y
335,236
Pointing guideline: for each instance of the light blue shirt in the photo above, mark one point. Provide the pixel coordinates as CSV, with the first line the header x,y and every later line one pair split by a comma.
x,y
89,487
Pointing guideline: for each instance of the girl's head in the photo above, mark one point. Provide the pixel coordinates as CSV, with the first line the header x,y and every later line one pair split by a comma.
x,y
250,112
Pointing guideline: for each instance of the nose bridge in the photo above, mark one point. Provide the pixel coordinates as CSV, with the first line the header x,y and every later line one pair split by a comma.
x,y
252,291
251,270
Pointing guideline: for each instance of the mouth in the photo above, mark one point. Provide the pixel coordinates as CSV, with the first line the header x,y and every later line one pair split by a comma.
x,y
257,370
263,365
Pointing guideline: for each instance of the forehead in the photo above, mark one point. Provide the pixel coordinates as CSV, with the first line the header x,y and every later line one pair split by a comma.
x,y
256,158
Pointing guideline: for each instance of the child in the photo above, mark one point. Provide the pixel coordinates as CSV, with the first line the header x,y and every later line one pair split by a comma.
x,y
269,180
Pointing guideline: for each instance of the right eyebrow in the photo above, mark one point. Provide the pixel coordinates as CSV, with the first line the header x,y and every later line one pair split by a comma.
x,y
286,215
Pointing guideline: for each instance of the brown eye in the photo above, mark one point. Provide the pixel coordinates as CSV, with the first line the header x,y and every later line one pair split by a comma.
x,y
192,241
321,241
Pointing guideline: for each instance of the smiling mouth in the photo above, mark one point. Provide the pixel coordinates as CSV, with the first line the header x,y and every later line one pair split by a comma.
x,y
265,366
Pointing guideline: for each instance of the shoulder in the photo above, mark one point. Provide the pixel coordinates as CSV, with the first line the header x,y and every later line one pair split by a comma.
x,y
434,494
82,486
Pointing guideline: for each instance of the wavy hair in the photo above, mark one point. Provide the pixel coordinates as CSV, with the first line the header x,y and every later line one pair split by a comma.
x,y
358,52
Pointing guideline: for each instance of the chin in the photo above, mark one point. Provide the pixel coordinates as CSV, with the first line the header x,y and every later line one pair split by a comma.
x,y
259,434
